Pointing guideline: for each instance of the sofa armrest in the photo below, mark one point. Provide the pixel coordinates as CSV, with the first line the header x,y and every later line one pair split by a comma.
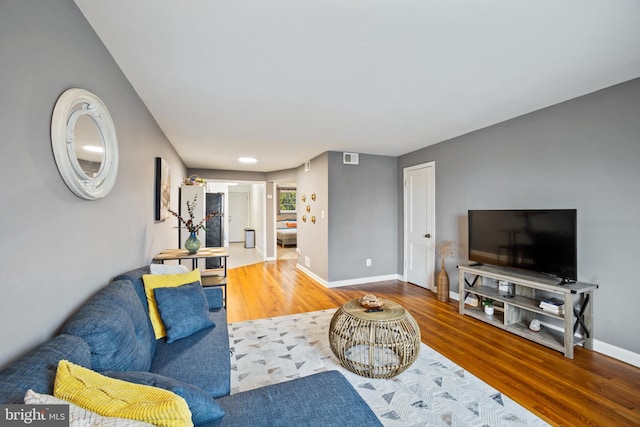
x,y
214,297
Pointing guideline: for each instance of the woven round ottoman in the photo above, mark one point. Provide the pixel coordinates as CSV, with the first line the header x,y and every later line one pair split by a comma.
x,y
374,344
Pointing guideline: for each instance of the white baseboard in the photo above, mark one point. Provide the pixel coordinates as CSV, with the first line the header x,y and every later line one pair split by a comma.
x,y
311,274
618,353
349,282
361,280
601,347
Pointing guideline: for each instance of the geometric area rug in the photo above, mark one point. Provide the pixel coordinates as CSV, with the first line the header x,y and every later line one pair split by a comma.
x,y
432,392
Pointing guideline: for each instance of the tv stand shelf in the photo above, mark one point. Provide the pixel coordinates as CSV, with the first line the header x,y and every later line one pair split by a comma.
x,y
515,310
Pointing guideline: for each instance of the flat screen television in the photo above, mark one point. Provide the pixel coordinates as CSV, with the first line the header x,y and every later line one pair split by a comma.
x,y
540,241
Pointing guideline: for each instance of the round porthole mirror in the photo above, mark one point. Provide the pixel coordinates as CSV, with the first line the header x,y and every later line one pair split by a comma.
x,y
85,145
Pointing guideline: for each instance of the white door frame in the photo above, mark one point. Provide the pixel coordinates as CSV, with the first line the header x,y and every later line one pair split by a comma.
x,y
432,205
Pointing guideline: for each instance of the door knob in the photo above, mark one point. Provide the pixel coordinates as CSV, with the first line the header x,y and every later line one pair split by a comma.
x,y
428,236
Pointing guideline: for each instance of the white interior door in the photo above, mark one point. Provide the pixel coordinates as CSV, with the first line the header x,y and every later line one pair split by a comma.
x,y
419,225
238,216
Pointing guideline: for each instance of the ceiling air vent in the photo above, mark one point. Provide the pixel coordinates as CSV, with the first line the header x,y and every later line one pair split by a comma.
x,y
350,158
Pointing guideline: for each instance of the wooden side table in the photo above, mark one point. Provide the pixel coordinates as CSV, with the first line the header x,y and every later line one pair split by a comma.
x,y
374,344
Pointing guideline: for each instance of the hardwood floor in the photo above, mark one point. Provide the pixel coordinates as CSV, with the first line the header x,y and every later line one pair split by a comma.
x,y
590,390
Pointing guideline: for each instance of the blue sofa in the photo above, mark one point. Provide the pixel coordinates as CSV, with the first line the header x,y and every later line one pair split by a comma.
x,y
112,334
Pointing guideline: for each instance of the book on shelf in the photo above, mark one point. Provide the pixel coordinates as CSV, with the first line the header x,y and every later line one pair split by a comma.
x,y
554,311
552,304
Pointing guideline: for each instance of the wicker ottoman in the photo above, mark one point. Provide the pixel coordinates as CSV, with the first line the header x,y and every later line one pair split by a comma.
x,y
377,344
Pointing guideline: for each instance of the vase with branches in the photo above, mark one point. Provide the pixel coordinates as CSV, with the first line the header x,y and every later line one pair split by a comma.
x,y
445,248
192,244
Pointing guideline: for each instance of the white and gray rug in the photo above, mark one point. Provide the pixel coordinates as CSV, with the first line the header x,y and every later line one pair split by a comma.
x,y
432,392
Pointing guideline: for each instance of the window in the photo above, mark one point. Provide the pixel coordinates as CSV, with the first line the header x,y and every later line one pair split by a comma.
x,y
287,200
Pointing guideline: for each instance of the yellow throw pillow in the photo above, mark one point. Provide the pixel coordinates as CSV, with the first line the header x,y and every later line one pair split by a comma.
x,y
110,397
153,281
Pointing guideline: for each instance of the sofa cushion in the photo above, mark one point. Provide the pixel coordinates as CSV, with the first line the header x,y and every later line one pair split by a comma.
x,y
202,359
183,310
116,327
153,281
79,416
215,297
203,407
111,397
135,278
320,400
37,369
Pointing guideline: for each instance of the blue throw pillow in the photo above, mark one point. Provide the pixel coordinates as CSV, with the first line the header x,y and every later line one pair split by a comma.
x,y
203,407
183,310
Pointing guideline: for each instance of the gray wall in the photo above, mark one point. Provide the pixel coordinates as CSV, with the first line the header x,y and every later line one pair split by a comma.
x,y
581,154
362,217
56,249
313,238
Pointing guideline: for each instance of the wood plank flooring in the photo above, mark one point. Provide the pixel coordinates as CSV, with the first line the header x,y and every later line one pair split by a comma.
x,y
590,390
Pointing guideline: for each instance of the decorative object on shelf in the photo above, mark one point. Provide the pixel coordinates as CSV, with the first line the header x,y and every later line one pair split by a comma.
x,y
194,180
192,227
370,301
84,143
506,289
488,306
163,189
192,244
535,325
445,249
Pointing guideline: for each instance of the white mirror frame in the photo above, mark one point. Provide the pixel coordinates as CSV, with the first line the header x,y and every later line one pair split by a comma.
x,y
71,105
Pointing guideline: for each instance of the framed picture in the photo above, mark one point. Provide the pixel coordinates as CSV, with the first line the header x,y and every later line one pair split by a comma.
x,y
163,190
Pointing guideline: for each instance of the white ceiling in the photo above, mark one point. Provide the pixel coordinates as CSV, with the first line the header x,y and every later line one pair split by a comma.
x,y
286,80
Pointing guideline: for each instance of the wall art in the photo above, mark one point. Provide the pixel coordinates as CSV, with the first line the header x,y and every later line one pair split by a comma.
x,y
163,189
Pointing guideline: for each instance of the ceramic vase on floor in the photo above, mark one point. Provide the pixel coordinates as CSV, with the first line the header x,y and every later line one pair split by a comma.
x,y
192,244
443,284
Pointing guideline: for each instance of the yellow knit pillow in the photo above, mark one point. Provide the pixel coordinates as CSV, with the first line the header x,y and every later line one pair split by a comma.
x,y
152,281
110,397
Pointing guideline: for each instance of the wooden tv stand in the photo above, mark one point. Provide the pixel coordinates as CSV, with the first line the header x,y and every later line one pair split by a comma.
x,y
515,311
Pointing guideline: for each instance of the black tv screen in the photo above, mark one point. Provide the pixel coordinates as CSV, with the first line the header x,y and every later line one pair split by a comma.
x,y
541,241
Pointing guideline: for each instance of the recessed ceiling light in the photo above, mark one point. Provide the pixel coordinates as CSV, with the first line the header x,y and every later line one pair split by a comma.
x,y
247,160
